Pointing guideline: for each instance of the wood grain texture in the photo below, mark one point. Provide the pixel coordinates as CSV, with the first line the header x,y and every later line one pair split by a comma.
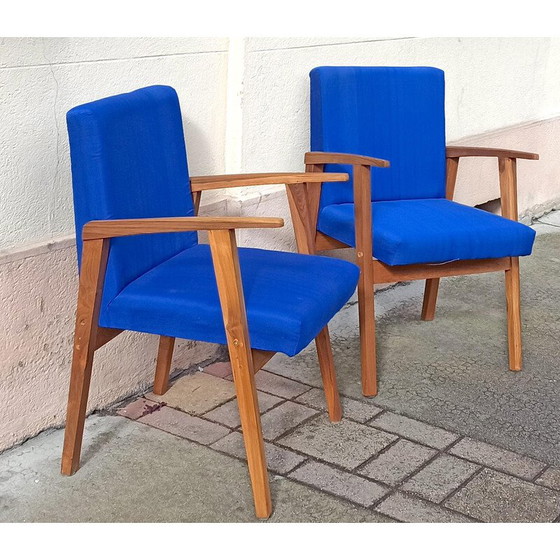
x,y
432,284
196,196
513,304
364,252
261,358
304,232
257,179
101,229
508,187
466,151
163,364
323,242
452,167
105,335
228,277
350,159
328,374
430,299
92,275
384,273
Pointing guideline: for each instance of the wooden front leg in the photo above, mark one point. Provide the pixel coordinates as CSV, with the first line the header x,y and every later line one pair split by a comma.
x,y
230,288
92,275
364,258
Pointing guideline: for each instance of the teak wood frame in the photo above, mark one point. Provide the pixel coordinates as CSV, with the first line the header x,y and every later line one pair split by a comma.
x,y
304,207
246,361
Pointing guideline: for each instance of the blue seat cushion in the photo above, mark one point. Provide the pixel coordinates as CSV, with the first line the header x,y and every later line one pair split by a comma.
x,y
289,298
430,230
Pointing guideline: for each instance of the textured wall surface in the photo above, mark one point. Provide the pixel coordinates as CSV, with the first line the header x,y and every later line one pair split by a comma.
x,y
41,79
245,106
37,299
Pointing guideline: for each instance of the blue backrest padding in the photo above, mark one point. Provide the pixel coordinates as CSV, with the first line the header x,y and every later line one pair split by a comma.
x,y
129,161
393,113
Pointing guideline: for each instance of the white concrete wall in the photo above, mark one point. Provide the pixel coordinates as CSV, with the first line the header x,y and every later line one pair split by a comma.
x,y
502,92
246,108
40,80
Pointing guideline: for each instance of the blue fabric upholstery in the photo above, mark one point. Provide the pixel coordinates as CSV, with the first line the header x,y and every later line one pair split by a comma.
x,y
398,114
390,113
431,230
129,161
289,298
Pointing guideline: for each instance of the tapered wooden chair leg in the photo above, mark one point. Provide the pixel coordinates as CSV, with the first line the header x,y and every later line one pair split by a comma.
x,y
326,363
513,301
163,364
430,299
94,260
82,363
249,413
230,288
368,352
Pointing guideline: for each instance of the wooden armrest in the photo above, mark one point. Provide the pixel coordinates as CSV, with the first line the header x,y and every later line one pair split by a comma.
x,y
103,229
350,159
464,151
255,179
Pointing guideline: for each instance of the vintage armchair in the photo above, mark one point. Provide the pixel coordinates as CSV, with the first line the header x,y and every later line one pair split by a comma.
x,y
143,269
385,127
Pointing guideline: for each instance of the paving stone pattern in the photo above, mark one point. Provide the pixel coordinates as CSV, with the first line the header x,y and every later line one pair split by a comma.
x,y
393,465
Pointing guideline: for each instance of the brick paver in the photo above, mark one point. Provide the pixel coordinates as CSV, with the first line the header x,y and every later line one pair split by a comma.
x,y
279,460
197,393
352,409
354,488
228,413
497,458
414,430
500,498
375,458
181,424
136,409
407,508
278,385
440,477
219,369
345,443
397,462
550,478
284,417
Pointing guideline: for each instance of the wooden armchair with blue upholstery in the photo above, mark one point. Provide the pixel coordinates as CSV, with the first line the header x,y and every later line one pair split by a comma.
x,y
385,126
143,269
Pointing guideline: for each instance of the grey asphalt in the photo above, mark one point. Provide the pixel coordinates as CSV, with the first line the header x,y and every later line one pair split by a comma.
x,y
453,372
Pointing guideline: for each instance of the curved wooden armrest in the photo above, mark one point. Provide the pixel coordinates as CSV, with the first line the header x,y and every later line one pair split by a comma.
x,y
349,159
464,151
103,229
256,179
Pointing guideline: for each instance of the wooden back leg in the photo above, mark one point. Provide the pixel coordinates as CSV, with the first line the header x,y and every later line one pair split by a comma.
x,y
163,364
430,299
326,363
230,288
513,302
92,275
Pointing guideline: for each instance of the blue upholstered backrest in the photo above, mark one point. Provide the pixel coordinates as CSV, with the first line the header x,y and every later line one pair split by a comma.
x,y
129,161
394,113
